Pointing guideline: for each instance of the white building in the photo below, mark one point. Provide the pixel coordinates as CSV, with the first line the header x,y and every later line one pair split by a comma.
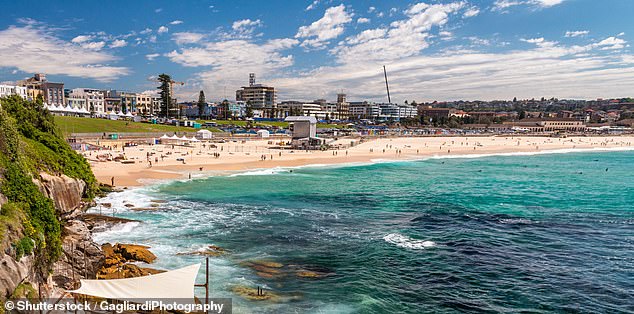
x,y
8,90
77,103
94,99
290,108
364,110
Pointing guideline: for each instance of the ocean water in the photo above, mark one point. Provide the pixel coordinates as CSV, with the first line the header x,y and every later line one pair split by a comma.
x,y
538,233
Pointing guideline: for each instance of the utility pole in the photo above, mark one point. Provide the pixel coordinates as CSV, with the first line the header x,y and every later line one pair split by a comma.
x,y
387,86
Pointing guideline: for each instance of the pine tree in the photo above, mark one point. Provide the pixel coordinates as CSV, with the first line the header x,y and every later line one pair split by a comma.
x,y
201,104
166,96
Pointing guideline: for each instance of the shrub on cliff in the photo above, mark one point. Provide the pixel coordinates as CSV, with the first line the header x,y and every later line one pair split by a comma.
x,y
30,143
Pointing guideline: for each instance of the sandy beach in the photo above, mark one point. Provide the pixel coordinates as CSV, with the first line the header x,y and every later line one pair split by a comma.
x,y
179,162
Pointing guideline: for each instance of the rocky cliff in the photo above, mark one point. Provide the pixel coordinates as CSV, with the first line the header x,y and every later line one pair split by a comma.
x,y
44,188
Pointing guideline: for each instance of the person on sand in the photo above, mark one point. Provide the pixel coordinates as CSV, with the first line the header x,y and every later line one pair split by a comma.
x,y
112,181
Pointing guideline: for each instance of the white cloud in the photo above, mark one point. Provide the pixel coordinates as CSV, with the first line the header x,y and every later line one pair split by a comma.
x,y
363,20
145,31
501,5
118,43
611,43
226,63
371,9
158,10
82,38
546,3
471,12
187,37
152,56
312,5
98,45
162,29
401,39
330,26
176,22
35,50
243,29
576,33
477,41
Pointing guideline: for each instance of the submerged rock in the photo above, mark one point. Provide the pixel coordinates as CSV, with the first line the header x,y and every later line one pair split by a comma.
x,y
253,295
211,250
268,264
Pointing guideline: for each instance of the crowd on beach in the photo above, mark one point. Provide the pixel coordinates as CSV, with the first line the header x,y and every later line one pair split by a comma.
x,y
162,161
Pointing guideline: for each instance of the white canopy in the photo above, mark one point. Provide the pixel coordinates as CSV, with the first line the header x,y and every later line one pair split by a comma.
x,y
175,284
174,137
128,114
164,136
112,113
184,138
194,139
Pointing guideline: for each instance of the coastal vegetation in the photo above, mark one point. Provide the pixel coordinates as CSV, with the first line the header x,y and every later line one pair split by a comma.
x,y
31,143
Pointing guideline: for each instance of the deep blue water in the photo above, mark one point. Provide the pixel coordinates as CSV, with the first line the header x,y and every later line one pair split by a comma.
x,y
543,233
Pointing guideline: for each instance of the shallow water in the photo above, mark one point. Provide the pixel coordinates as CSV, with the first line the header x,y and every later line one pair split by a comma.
x,y
538,233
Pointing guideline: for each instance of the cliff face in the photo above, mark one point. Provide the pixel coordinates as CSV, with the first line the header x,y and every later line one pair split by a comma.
x,y
65,192
81,257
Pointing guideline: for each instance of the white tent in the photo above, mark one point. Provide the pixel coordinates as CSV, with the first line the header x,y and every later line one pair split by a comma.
x,y
128,114
193,139
184,138
164,137
263,133
120,113
174,137
175,284
204,134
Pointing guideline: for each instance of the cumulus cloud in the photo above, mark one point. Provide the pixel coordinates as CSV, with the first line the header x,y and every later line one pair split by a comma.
x,y
225,63
471,12
162,29
187,37
402,38
576,33
98,45
82,38
118,43
363,20
35,50
176,22
330,26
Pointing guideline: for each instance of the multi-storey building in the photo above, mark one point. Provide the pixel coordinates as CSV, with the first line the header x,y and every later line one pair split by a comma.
x,y
94,99
343,107
262,98
144,104
8,90
52,93
296,108
128,102
364,110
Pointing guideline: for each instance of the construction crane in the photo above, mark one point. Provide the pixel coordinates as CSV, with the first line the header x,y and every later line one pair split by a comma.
x,y
172,82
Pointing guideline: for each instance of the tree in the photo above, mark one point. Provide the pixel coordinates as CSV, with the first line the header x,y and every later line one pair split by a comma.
x,y
166,94
514,99
249,109
201,104
522,115
225,108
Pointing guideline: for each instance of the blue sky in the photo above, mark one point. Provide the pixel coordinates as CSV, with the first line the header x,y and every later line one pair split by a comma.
x,y
433,50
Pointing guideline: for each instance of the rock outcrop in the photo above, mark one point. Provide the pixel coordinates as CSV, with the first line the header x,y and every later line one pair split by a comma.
x,y
118,259
65,192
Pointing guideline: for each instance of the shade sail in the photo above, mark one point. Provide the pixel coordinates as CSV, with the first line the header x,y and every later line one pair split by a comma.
x,y
175,284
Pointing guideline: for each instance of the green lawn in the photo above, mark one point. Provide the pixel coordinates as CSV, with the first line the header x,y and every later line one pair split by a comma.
x,y
89,125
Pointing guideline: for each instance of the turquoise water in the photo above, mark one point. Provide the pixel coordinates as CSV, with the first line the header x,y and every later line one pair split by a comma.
x,y
542,233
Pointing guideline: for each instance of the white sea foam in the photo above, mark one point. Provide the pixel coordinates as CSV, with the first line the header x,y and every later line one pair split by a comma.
x,y
114,233
407,242
542,152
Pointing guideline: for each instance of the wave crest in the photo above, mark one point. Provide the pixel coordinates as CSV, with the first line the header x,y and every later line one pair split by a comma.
x,y
407,242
